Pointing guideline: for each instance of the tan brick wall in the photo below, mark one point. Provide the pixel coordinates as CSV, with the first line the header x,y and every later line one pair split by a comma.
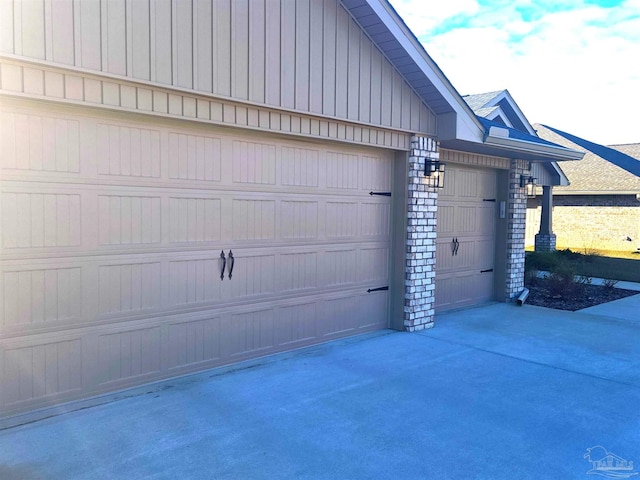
x,y
583,223
533,224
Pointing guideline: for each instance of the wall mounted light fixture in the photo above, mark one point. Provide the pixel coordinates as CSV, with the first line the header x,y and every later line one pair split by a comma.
x,y
530,183
434,171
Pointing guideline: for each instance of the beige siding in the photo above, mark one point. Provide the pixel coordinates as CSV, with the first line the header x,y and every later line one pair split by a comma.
x,y
64,85
473,159
309,56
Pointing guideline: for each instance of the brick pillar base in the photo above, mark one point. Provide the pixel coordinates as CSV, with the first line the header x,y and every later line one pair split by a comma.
x,y
545,242
419,292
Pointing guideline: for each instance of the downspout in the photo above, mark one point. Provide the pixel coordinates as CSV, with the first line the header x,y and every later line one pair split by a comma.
x,y
522,297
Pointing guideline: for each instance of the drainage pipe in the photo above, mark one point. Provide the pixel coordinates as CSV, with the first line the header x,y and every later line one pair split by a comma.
x,y
522,297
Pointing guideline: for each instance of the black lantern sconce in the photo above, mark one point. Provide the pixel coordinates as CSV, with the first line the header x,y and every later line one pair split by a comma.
x,y
434,171
530,184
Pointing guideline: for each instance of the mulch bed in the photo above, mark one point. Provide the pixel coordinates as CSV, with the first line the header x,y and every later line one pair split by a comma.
x,y
540,295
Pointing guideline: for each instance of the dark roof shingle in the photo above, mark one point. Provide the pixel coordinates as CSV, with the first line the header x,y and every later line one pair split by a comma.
x,y
600,171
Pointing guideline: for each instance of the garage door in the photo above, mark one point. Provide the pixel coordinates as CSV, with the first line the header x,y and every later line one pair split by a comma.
x,y
137,250
466,238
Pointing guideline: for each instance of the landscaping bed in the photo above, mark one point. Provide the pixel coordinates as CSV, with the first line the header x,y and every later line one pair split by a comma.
x,y
567,285
542,295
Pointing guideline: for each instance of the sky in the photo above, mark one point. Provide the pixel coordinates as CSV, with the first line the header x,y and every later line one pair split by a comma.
x,y
571,64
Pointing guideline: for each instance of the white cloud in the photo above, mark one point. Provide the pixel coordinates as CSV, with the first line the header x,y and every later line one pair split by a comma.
x,y
423,17
577,70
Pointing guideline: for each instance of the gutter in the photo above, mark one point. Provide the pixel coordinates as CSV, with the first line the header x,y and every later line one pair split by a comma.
x,y
499,137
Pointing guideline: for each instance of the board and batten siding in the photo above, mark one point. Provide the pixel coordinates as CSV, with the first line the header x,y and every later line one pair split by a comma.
x,y
303,55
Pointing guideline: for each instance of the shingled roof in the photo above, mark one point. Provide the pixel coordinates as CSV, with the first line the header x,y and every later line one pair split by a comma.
x,y
603,170
479,100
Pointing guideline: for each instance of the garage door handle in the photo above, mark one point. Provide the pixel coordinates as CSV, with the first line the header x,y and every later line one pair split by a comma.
x,y
455,245
224,264
233,262
487,270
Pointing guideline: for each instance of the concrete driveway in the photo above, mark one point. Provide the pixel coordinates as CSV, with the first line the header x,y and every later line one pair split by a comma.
x,y
493,392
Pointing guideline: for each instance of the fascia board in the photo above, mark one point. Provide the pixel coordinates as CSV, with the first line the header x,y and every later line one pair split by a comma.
x,y
498,112
469,128
564,180
507,96
548,151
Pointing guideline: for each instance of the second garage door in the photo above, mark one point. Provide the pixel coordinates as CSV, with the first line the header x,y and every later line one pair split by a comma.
x,y
466,238
135,251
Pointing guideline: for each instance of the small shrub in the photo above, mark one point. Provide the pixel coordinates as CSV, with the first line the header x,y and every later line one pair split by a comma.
x,y
541,261
531,277
568,254
609,283
583,279
564,282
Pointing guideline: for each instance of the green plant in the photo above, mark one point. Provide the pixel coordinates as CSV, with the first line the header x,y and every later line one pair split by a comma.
x,y
531,277
564,280
609,283
542,261
598,265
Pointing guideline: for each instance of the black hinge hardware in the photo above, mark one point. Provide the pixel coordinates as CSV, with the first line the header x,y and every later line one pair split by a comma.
x,y
377,289
486,271
384,194
489,200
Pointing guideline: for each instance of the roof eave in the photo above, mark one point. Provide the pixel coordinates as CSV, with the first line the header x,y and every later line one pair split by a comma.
x,y
467,126
547,153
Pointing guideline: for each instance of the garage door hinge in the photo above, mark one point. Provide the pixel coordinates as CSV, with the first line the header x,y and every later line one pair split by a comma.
x,y
377,289
488,199
487,270
384,194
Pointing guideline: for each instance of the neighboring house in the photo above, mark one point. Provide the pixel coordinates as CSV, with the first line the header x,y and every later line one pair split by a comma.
x,y
600,209
497,109
191,184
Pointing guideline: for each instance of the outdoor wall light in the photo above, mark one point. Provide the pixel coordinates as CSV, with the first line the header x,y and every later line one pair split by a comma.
x,y
434,171
530,183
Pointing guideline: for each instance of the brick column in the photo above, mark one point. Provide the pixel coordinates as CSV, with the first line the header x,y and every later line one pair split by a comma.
x,y
545,240
421,238
516,226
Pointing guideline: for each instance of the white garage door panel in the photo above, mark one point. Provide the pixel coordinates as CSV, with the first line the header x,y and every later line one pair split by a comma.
x,y
466,238
110,263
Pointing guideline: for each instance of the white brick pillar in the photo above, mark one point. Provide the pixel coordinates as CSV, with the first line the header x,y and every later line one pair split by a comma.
x,y
419,292
516,226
